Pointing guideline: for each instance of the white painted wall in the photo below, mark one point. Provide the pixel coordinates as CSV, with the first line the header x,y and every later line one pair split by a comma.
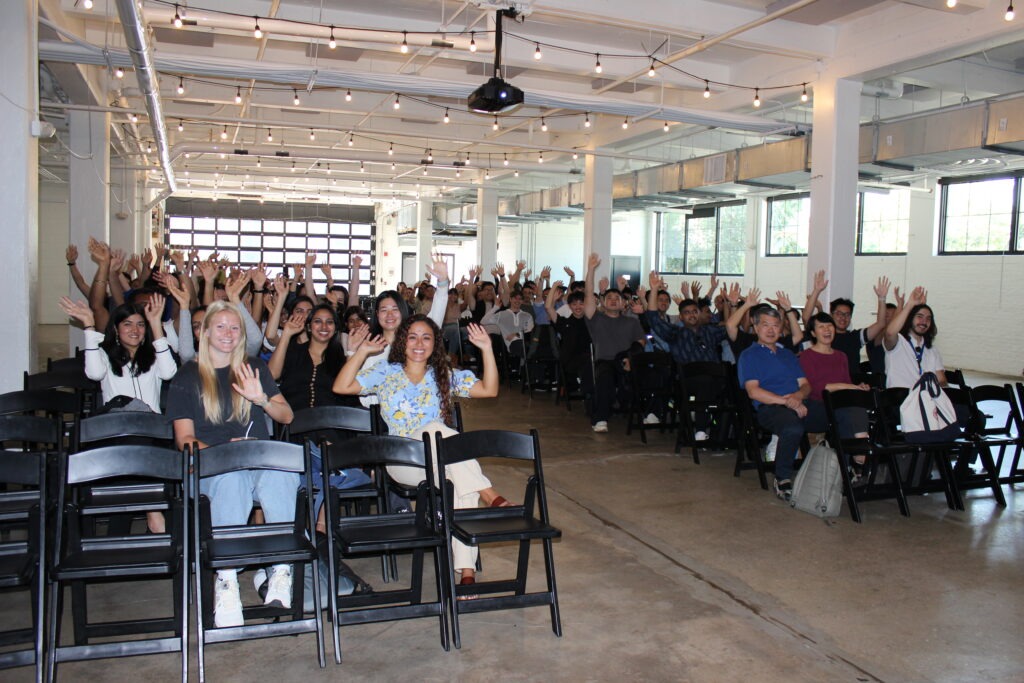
x,y
54,279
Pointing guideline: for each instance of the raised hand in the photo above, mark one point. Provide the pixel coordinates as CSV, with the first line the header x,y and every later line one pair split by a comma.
x,y
310,258
783,300
71,254
79,310
621,282
99,251
520,266
178,259
570,273
438,267
357,336
478,336
135,263
116,260
494,272
882,288
248,385
753,296
281,286
155,310
654,280
501,269
918,295
527,273
357,261
160,250
147,257
820,283
678,299
259,276
602,284
684,289
235,286
556,284
900,299
714,285
545,273
370,345
294,325
593,261
732,295
695,288
325,268
208,269
175,290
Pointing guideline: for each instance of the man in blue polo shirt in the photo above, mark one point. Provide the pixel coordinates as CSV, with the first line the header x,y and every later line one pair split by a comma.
x,y
778,388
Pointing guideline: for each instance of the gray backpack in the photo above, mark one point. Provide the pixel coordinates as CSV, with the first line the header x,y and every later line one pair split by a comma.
x,y
818,486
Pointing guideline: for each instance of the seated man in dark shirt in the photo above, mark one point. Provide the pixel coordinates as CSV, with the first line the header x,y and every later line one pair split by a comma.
x,y
740,339
775,383
573,339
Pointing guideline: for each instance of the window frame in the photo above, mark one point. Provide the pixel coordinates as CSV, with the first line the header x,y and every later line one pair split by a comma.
x,y
1015,213
701,209
859,251
768,224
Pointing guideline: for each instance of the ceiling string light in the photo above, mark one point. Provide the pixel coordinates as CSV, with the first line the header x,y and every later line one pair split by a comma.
x,y
803,95
625,123
495,125
224,133
543,125
651,73
472,41
332,43
238,95
505,162
181,85
537,53
757,97
351,139
391,149
405,44
597,64
586,121
398,103
1010,14
118,72
181,125
446,118
312,135
348,95
296,101
270,136
707,90
256,32
177,18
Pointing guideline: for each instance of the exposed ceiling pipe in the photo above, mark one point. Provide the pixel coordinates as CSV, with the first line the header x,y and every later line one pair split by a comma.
x,y
355,156
343,36
145,73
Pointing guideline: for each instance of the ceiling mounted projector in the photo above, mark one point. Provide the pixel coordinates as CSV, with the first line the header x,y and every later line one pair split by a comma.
x,y
497,96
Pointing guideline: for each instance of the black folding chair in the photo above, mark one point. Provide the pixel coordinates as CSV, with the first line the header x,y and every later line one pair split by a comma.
x,y
385,534
651,378
480,526
997,423
23,548
65,407
69,379
231,547
708,388
93,560
874,454
753,439
973,443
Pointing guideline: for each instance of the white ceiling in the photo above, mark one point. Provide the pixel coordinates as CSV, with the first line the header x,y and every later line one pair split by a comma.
x,y
216,62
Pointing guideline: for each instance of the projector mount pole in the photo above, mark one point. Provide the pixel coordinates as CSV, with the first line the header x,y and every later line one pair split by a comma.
x,y
498,32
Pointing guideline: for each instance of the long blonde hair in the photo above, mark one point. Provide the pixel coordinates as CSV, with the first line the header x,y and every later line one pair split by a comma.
x,y
209,388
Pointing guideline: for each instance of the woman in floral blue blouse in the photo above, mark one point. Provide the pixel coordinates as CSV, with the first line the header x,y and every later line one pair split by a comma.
x,y
416,388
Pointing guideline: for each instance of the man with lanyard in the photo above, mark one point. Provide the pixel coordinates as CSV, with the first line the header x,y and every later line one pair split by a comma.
x,y
908,343
775,383
846,340
614,336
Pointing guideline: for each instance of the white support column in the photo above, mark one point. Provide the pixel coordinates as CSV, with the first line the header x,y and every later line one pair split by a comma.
x,y
89,178
597,213
19,178
124,207
487,227
832,239
424,235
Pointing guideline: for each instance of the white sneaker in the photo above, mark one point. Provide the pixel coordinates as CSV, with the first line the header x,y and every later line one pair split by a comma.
x,y
700,436
280,592
651,419
600,427
769,450
227,603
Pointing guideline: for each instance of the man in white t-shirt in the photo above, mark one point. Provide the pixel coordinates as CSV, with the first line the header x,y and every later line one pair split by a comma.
x,y
908,343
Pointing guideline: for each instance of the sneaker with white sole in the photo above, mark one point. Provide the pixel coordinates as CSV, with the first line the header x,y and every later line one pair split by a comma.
x,y
279,593
651,419
227,602
600,427
784,489
700,436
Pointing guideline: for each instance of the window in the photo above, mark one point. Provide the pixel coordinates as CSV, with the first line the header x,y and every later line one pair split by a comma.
x,y
276,243
709,240
788,225
884,223
981,215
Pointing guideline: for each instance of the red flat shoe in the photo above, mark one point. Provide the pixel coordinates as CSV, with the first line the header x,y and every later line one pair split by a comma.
x,y
499,502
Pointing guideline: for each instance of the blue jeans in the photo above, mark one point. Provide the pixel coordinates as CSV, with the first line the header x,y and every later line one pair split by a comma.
x,y
344,479
233,494
790,428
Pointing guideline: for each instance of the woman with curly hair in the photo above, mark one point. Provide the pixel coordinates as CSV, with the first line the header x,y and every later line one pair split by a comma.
x,y
416,388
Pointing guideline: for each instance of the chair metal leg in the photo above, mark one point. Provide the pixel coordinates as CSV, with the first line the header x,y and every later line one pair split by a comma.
x,y
53,630
549,568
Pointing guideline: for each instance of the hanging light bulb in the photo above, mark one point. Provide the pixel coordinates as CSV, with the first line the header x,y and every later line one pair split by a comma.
x,y
134,118
516,173
625,123
186,172
424,170
586,121
757,97
803,95
312,135
665,127
405,44
118,72
181,85
270,136
392,166
149,147
238,95
177,17
293,167
651,73
362,167
256,32
348,95
259,162
332,43
458,173
472,41
1010,14
446,118
487,174
540,157
351,139
494,126
430,157
87,4
575,156
537,53
181,126
468,160
505,162
295,100
707,90
950,4
543,125
391,149
224,133
398,103
597,64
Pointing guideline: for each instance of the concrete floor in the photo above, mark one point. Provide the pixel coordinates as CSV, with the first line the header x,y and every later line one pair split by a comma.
x,y
671,571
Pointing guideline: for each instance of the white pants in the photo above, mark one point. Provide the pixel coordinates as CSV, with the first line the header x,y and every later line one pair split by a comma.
x,y
467,479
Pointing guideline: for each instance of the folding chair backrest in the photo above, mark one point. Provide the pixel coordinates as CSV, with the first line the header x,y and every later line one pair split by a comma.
x,y
249,455
651,371
24,469
329,423
29,429
955,378
60,379
76,363
988,417
375,451
490,443
149,462
99,428
50,401
887,412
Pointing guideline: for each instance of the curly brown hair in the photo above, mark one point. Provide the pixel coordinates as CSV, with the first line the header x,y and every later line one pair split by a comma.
x,y
438,361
